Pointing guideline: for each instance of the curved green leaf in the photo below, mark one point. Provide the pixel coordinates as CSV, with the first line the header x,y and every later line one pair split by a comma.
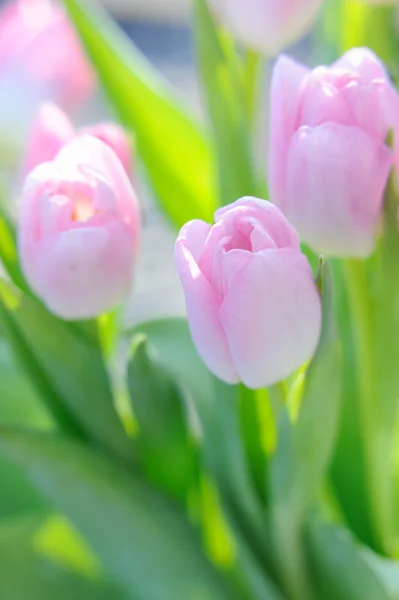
x,y
341,571
172,146
144,541
26,574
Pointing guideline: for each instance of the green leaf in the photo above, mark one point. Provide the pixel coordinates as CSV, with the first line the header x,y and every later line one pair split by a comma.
x,y
26,574
387,571
143,541
224,457
175,350
255,414
366,446
8,249
339,566
172,146
19,405
224,90
305,445
66,366
162,413
348,469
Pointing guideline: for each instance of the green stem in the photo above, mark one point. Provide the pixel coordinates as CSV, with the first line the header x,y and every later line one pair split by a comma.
x,y
292,563
251,69
361,313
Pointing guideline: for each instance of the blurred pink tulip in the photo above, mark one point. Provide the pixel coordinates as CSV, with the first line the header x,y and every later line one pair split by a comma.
x,y
40,59
253,307
328,161
79,230
52,129
37,39
267,25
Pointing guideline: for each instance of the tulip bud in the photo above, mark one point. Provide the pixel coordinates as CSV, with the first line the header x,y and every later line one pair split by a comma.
x,y
52,128
328,161
267,25
253,308
79,229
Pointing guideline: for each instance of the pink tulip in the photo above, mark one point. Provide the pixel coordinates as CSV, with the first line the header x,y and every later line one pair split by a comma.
x,y
329,162
52,128
40,59
253,307
267,25
79,230
36,39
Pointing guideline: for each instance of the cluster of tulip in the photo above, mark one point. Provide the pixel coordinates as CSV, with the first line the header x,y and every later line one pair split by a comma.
x,y
284,445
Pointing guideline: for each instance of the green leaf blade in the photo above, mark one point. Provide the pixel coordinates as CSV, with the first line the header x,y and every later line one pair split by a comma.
x,y
172,146
143,541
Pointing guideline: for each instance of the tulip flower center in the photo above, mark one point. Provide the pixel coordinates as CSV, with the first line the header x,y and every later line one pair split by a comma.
x,y
240,237
83,209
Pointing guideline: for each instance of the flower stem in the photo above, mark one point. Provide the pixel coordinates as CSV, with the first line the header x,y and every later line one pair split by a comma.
x,y
362,322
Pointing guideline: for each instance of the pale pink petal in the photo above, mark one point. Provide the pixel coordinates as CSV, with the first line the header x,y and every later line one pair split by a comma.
x,y
363,62
264,213
287,80
93,157
50,130
267,25
375,107
336,178
84,272
115,137
215,241
271,316
322,100
202,310
193,234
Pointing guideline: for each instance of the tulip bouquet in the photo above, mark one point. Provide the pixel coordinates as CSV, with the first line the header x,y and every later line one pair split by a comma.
x,y
250,451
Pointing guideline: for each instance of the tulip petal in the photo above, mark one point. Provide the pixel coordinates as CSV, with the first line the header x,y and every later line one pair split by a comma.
x,y
50,130
193,234
335,182
267,25
287,79
269,217
202,309
271,316
363,62
69,269
93,155
115,137
374,106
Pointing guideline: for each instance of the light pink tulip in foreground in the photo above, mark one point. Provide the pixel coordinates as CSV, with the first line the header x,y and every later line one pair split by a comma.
x,y
253,307
328,161
267,25
79,230
52,128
